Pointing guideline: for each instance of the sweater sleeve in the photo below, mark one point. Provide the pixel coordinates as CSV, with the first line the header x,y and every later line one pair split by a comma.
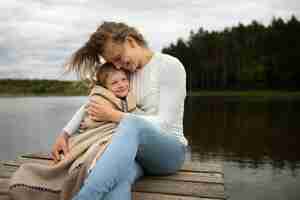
x,y
172,94
74,123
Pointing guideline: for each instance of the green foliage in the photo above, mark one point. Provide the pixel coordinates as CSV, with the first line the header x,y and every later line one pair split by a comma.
x,y
42,87
251,56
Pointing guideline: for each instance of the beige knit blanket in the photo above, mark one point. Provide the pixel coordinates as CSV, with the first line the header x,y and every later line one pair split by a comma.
x,y
34,181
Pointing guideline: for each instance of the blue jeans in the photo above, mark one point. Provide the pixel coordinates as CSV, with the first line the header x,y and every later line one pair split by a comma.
x,y
137,148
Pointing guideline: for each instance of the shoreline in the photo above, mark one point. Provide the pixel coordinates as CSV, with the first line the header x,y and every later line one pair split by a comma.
x,y
43,87
252,93
42,95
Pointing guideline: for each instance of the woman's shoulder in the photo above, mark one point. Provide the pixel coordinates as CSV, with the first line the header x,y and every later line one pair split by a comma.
x,y
170,62
167,58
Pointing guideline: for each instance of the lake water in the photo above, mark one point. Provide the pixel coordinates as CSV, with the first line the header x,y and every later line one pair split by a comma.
x,y
257,140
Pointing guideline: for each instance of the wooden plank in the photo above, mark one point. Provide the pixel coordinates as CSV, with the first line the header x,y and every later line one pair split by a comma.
x,y
182,175
204,190
193,177
200,173
145,196
136,195
187,166
18,162
45,156
156,196
4,197
3,186
175,184
202,167
7,171
34,160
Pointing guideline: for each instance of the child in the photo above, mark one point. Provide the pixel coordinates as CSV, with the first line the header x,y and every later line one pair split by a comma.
x,y
111,87
116,81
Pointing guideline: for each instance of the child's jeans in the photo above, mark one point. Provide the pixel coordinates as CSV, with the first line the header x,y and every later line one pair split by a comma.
x,y
137,147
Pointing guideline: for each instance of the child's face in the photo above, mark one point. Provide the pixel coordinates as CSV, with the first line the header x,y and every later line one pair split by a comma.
x,y
118,83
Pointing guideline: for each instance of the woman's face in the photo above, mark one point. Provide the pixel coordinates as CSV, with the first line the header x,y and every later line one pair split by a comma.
x,y
123,55
118,83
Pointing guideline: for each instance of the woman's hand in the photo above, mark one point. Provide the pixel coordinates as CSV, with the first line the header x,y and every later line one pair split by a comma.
x,y
61,144
100,111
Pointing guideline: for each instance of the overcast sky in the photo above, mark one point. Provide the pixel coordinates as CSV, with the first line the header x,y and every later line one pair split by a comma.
x,y
36,36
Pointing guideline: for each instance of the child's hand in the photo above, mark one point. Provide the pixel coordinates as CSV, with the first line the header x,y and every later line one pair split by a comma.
x,y
61,145
83,125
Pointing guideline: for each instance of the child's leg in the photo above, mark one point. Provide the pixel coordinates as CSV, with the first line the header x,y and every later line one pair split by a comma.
x,y
123,189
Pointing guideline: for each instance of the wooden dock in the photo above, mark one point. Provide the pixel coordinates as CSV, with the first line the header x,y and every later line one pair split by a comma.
x,y
195,181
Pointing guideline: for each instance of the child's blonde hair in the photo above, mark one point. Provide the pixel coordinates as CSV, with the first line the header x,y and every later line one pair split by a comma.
x,y
103,72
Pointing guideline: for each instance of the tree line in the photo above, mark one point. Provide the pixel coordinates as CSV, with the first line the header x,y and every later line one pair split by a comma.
x,y
27,87
253,56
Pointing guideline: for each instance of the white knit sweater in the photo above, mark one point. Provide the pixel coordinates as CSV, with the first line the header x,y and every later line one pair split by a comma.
x,y
160,89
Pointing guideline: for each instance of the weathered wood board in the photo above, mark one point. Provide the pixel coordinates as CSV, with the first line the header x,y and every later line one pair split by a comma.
x,y
195,181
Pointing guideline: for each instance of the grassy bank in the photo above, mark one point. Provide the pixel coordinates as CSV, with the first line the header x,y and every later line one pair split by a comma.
x,y
9,87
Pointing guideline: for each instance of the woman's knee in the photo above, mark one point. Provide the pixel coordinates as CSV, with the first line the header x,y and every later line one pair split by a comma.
x,y
134,122
135,172
164,159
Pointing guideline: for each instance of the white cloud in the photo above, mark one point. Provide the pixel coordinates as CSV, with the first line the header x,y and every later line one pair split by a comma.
x,y
37,36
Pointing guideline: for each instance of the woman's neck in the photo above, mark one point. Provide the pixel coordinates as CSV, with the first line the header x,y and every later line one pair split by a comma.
x,y
147,56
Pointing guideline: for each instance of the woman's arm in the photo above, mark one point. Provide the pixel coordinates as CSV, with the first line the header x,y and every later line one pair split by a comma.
x,y
172,94
100,111
171,101
73,125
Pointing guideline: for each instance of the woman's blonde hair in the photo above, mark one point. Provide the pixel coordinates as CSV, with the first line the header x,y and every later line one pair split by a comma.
x,y
85,60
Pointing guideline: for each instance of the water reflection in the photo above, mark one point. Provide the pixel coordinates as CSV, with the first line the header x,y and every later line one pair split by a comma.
x,y
31,124
250,132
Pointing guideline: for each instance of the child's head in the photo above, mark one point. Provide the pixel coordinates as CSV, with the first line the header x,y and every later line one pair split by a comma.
x,y
113,79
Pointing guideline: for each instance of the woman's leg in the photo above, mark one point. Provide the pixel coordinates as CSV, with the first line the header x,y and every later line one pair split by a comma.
x,y
158,154
123,189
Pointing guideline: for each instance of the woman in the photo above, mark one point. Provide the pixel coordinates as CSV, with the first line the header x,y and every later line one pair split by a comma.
x,y
152,143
